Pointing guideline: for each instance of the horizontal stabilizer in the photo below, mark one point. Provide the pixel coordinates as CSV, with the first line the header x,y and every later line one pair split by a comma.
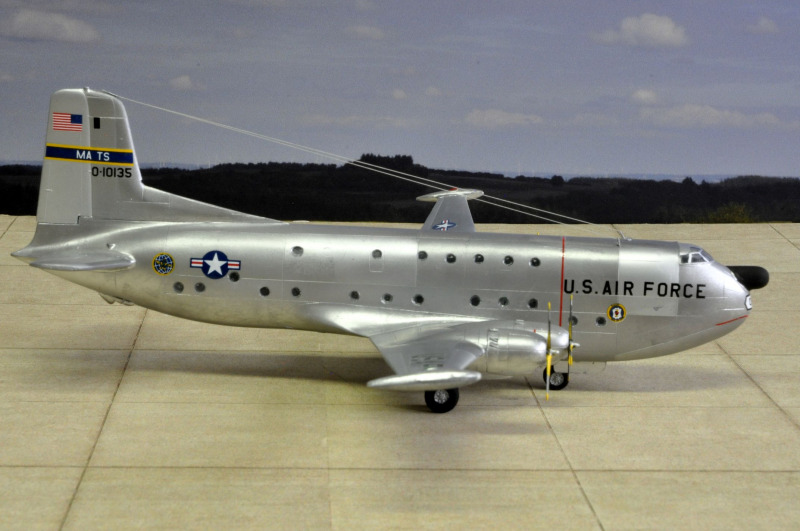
x,y
86,261
466,193
426,381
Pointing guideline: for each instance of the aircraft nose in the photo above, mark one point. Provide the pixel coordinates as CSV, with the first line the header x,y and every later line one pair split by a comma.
x,y
751,277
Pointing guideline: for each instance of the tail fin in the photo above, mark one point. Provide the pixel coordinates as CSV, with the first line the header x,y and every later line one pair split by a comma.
x,y
90,168
89,163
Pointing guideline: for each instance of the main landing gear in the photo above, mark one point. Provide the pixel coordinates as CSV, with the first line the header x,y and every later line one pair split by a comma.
x,y
558,380
441,400
444,400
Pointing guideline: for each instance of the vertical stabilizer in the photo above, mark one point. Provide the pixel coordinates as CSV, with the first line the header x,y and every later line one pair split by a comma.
x,y
90,169
89,163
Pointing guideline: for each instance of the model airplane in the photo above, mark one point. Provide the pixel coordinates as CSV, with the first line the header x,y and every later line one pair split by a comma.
x,y
443,304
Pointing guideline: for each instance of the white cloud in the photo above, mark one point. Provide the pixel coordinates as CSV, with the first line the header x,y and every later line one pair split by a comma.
x,y
181,83
593,119
764,26
648,30
399,94
42,26
645,97
690,116
366,32
433,92
494,118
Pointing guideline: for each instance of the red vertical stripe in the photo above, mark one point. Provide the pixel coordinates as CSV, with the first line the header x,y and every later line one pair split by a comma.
x,y
561,287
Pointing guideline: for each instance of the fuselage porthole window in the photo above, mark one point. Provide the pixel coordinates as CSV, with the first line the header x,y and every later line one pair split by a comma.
x,y
451,258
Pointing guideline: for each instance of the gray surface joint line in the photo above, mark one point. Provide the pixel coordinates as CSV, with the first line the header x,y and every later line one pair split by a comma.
x,y
102,425
788,417
5,231
785,237
566,457
328,463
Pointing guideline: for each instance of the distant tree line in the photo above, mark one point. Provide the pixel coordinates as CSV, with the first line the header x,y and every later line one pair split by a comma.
x,y
292,191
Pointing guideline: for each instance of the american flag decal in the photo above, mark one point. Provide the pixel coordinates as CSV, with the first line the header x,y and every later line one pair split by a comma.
x,y
64,121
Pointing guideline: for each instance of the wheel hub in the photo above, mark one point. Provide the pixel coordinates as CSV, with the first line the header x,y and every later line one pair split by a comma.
x,y
441,396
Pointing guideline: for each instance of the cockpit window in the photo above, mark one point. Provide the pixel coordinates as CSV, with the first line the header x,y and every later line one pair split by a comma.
x,y
695,255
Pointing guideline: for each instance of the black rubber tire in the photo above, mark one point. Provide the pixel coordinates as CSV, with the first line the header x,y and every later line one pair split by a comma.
x,y
441,400
554,386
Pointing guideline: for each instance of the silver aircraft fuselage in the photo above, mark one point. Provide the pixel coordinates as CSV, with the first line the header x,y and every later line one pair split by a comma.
x,y
632,299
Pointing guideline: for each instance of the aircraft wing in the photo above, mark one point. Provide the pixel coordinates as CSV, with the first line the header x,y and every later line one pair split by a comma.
x,y
426,361
451,212
106,260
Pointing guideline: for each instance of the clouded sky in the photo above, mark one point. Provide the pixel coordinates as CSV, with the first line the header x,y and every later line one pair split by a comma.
x,y
593,87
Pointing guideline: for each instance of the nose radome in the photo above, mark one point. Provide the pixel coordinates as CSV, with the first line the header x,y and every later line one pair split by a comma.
x,y
751,277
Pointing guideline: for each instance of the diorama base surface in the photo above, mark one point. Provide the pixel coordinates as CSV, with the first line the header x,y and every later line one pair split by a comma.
x,y
119,417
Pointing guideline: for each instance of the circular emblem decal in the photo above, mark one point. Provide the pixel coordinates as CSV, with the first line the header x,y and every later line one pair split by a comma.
x,y
616,312
163,264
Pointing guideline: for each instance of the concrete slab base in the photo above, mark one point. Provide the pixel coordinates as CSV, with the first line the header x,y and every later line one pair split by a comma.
x,y
118,418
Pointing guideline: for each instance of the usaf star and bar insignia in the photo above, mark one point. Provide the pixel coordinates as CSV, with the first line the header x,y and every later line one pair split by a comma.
x,y
446,224
215,264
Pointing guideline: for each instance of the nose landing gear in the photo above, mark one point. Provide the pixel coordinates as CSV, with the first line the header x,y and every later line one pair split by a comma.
x,y
558,380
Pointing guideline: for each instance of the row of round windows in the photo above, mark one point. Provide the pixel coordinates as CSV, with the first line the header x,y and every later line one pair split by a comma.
x,y
417,299
450,258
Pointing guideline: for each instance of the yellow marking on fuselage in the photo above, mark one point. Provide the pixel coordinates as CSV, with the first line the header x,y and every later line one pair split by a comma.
x,y
117,150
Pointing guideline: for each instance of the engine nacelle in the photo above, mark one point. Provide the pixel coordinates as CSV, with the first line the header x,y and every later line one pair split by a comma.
x,y
514,352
